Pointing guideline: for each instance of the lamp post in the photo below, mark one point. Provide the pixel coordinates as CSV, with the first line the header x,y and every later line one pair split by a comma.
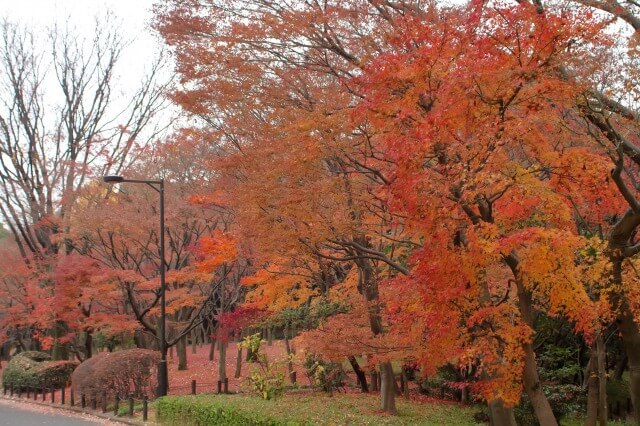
x,y
163,374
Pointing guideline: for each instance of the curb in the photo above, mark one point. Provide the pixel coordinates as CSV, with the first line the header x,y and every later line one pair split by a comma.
x,y
104,416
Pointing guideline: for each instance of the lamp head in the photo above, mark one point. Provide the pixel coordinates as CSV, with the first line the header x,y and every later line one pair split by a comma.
x,y
113,179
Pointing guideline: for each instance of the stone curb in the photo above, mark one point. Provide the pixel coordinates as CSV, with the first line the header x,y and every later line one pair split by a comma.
x,y
80,410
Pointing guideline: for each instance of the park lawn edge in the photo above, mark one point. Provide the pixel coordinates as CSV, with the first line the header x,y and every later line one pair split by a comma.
x,y
304,409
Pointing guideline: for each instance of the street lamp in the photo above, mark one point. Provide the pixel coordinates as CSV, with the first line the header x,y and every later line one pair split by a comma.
x,y
163,374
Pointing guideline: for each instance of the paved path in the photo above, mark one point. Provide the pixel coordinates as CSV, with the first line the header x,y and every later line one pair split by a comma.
x,y
21,414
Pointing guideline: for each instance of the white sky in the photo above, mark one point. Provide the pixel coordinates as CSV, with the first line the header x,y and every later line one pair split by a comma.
x,y
134,15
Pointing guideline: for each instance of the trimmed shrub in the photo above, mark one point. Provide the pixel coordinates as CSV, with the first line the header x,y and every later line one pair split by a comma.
x,y
121,373
35,370
191,411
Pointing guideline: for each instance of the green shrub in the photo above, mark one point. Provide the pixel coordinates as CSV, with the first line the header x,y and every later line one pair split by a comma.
x,y
326,375
193,412
35,370
268,379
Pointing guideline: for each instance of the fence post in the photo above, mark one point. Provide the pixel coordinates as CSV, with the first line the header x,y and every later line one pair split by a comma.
x,y
219,386
83,401
104,401
193,387
145,408
117,405
53,394
131,404
226,385
62,395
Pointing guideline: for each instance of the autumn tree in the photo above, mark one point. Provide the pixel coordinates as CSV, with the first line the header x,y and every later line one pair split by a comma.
x,y
273,84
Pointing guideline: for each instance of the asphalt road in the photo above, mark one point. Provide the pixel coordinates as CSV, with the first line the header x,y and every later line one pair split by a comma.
x,y
10,415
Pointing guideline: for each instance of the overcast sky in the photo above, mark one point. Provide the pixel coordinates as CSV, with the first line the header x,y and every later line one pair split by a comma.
x,y
134,16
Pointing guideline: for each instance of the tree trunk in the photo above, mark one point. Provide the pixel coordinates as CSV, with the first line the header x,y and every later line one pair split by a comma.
x,y
139,340
388,389
270,336
222,360
602,381
499,415
60,350
368,287
181,349
212,349
630,334
362,377
592,388
532,384
621,365
531,379
290,352
238,362
194,341
88,342
405,384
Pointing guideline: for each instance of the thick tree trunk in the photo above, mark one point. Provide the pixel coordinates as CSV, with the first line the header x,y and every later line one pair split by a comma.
x,y
362,377
621,365
181,348
592,388
499,415
532,384
531,379
388,389
630,334
194,341
368,287
222,360
238,362
602,381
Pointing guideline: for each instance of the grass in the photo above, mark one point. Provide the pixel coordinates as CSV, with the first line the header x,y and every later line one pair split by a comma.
x,y
344,409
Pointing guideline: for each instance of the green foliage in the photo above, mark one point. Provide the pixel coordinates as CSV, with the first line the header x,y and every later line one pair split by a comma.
x,y
565,401
617,391
308,316
35,370
326,375
252,343
559,364
434,385
304,409
268,380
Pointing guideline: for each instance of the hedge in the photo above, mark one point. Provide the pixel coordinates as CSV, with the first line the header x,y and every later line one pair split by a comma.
x,y
35,370
121,372
189,410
